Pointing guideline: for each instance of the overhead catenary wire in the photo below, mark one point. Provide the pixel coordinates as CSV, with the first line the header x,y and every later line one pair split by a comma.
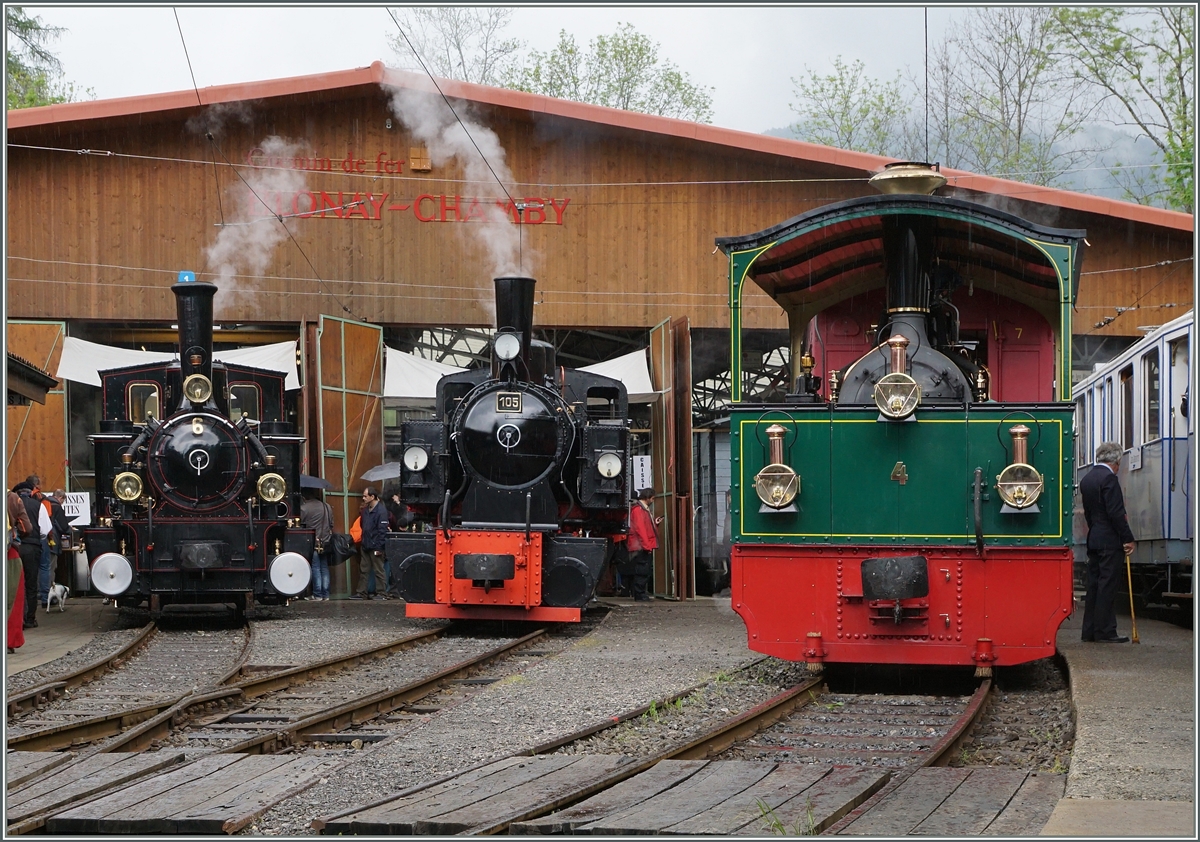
x,y
1034,188
520,207
199,102
215,147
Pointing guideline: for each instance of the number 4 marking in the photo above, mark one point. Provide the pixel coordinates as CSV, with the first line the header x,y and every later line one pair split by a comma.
x,y
900,473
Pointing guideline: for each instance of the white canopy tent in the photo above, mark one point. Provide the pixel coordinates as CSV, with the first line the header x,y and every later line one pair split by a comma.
x,y
411,378
414,379
631,370
83,361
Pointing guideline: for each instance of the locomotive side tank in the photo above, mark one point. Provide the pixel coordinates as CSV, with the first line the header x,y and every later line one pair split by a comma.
x,y
524,474
200,505
910,500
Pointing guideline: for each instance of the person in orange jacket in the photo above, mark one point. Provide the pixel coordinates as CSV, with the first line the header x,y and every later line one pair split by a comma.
x,y
642,541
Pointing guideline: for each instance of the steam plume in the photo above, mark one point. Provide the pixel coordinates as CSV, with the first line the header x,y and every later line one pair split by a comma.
x,y
425,114
251,231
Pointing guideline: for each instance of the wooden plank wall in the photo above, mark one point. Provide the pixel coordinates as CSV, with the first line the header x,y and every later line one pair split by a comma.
x,y
635,246
36,438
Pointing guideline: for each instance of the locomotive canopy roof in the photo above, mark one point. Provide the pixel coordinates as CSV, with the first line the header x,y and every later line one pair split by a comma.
x,y
818,258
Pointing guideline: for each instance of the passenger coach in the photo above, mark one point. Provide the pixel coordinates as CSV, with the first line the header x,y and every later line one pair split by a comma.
x,y
1140,399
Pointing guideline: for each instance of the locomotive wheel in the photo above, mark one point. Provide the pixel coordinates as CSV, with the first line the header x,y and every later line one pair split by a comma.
x,y
417,578
568,584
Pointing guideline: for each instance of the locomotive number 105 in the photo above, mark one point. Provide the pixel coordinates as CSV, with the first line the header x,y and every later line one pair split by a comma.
x,y
508,401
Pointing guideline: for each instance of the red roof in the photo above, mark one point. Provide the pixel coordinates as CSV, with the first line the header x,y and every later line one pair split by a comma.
x,y
377,74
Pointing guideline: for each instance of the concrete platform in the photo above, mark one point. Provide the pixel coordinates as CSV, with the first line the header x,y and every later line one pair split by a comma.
x,y
60,632
1133,769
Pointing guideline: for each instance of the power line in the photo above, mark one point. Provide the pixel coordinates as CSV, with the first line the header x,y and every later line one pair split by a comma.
x,y
373,177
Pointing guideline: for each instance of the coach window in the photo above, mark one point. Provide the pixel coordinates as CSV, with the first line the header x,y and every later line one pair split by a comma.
x,y
142,400
1080,426
1179,380
1153,391
1127,407
243,400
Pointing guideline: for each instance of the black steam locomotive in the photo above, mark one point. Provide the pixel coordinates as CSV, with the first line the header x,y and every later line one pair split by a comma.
x,y
201,503
524,475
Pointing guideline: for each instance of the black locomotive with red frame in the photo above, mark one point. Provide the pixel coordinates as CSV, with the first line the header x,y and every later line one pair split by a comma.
x,y
201,503
524,474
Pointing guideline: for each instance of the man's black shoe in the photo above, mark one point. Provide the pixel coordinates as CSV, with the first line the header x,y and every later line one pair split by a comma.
x,y
1112,639
32,624
1088,639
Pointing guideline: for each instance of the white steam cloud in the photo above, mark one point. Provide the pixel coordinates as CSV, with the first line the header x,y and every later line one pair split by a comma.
x,y
251,230
426,116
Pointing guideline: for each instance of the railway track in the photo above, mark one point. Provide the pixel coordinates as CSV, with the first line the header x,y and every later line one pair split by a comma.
x,y
265,714
38,695
852,757
133,689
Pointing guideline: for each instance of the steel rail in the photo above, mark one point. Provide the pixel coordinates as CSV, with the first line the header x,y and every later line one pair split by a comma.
x,y
725,734
940,755
742,727
357,711
155,720
34,697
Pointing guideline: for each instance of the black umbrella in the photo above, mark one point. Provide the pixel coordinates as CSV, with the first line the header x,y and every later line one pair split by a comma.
x,y
314,482
388,470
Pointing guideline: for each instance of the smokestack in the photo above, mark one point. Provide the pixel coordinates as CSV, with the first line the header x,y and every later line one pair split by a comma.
x,y
194,306
514,306
907,249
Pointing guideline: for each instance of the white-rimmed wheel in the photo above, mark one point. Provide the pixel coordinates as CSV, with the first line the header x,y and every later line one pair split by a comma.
x,y
112,574
290,573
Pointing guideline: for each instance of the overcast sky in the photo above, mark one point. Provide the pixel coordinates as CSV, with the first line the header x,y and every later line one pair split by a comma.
x,y
748,55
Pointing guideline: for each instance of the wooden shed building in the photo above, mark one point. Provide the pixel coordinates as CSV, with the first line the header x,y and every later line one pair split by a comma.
x,y
350,210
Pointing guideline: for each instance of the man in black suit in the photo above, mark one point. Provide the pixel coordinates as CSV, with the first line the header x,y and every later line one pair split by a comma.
x,y
1109,541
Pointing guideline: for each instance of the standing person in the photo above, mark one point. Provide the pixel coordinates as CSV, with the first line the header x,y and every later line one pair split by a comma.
x,y
1109,540
60,536
47,529
315,514
374,538
30,550
400,518
14,583
642,541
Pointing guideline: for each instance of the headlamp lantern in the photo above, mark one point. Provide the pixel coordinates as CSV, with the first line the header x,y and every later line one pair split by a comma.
x,y
777,484
127,486
272,488
896,394
1020,484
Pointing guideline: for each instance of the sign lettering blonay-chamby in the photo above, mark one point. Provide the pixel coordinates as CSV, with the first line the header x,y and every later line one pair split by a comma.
x,y
424,207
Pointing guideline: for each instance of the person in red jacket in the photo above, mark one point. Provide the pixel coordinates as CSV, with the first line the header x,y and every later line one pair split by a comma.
x,y
642,541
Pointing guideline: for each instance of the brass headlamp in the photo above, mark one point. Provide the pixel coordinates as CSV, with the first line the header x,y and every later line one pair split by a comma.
x,y
897,394
1020,484
777,484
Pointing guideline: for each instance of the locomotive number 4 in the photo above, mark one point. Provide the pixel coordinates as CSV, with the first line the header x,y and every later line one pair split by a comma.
x,y
900,473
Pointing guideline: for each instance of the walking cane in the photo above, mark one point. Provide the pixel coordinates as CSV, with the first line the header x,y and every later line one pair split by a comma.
x,y
1132,617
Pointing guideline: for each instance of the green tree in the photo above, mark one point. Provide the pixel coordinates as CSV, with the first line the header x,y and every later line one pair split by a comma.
x,y
1019,108
456,42
1143,61
850,110
622,70
33,73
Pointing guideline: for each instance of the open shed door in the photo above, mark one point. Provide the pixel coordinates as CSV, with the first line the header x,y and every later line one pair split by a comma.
x,y
36,433
345,412
671,458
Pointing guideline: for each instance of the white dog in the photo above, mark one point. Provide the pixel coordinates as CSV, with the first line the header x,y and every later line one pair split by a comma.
x,y
59,594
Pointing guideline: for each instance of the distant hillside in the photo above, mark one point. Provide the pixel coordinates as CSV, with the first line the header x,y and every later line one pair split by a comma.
x,y
1113,146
